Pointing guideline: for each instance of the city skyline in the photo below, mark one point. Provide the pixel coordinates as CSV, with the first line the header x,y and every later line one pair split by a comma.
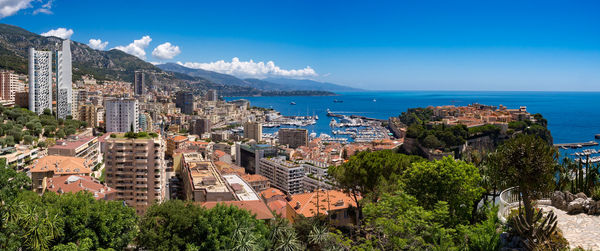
x,y
467,45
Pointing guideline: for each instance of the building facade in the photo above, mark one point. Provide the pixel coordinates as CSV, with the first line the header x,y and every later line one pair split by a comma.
x,y
200,126
185,101
253,130
212,95
284,175
249,156
136,169
9,85
139,83
293,137
64,97
122,115
40,80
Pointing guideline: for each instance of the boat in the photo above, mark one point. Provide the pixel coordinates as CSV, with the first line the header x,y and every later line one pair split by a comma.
x,y
337,101
292,103
374,100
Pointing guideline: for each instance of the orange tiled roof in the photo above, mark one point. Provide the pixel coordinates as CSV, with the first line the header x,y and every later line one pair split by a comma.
x,y
271,192
76,183
179,138
219,153
279,206
61,165
254,177
327,200
256,207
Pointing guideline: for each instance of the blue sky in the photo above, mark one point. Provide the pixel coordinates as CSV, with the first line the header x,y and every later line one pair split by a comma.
x,y
395,45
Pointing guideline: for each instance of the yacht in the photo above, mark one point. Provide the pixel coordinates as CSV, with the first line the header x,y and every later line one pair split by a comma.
x,y
292,103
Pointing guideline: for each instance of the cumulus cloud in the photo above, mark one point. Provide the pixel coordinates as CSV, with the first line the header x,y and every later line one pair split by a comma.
x,y
137,47
10,7
166,51
60,32
251,69
97,44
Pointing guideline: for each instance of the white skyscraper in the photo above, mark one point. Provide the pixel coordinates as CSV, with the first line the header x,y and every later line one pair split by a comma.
x,y
40,80
121,115
64,99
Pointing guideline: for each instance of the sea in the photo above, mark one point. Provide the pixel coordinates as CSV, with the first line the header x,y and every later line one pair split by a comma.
x,y
572,116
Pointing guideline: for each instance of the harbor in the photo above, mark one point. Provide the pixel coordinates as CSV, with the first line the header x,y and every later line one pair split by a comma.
x,y
576,145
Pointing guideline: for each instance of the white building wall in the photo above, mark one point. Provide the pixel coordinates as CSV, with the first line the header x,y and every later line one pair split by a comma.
x,y
40,80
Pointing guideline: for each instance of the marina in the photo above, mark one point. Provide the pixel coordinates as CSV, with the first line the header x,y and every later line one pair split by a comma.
x,y
577,145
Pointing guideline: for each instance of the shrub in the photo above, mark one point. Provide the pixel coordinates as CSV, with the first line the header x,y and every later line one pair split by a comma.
x,y
596,194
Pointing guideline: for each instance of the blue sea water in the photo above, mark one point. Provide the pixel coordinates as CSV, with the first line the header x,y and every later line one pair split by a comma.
x,y
572,116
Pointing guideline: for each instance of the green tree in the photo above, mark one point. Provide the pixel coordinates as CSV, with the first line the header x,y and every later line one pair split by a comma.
x,y
528,162
366,173
453,181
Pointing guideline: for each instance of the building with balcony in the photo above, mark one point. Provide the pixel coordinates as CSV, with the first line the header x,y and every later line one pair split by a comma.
x,y
136,169
86,147
293,137
284,175
201,180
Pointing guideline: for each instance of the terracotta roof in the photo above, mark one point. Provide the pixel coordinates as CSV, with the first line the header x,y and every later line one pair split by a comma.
x,y
279,206
76,183
179,138
254,177
61,165
219,153
256,207
271,192
306,203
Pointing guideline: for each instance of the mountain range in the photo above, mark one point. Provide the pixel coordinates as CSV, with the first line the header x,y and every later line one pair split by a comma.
x,y
117,65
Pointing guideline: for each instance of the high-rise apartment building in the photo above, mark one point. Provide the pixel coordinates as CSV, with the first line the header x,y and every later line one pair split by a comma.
x,y
200,126
136,169
138,83
185,101
212,95
293,137
285,175
64,97
122,115
248,156
253,130
40,80
9,85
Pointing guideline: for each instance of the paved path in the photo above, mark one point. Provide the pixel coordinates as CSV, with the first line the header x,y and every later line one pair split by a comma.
x,y
580,230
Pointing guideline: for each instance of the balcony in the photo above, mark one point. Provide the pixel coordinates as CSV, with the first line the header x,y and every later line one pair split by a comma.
x,y
141,179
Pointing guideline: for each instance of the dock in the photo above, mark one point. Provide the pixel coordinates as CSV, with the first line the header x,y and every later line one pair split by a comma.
x,y
577,145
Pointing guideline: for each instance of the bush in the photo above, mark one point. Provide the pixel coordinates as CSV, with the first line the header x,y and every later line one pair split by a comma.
x,y
596,194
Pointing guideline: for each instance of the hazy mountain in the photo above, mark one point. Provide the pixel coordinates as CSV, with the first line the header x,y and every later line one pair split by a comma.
x,y
275,84
307,84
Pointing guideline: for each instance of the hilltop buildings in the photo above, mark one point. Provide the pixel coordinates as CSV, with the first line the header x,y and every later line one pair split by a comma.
x,y
40,80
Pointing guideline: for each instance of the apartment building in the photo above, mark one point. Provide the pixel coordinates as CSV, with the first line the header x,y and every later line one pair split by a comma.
x,y
293,137
185,101
9,85
64,99
284,175
51,166
40,80
136,169
200,126
86,147
201,180
253,130
122,115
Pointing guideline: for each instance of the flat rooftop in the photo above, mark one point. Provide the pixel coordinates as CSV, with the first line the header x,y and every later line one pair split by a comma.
x,y
242,190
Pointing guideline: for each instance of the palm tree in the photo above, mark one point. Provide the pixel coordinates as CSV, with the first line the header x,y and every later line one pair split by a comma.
x,y
243,237
39,227
318,235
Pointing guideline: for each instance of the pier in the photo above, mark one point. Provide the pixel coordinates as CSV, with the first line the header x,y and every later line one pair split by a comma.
x,y
577,145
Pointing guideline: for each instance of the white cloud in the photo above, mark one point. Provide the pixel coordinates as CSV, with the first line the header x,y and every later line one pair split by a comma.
x,y
97,44
45,8
10,7
137,48
166,51
251,69
60,32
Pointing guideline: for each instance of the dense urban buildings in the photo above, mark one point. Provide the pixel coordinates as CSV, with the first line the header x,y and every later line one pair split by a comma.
x,y
64,97
82,146
249,156
51,166
136,169
139,83
293,137
40,80
185,101
253,130
122,115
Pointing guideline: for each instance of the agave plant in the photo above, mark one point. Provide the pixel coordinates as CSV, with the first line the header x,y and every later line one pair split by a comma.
x,y
536,235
